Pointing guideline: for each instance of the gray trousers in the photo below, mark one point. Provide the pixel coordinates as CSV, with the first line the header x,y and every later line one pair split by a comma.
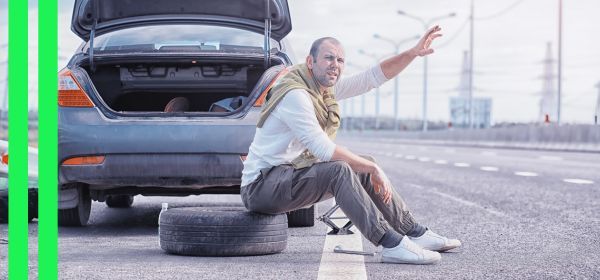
x,y
282,188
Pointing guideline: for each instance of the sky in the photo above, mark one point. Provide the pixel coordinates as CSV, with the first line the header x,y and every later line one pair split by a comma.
x,y
510,39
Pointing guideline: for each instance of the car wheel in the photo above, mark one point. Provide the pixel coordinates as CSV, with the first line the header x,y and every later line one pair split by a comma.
x,y
200,231
302,217
3,210
33,206
119,201
79,215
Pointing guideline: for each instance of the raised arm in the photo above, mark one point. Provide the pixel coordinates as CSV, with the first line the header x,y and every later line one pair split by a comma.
x,y
395,64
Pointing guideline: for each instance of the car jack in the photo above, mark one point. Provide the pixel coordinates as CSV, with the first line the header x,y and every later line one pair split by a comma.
x,y
335,230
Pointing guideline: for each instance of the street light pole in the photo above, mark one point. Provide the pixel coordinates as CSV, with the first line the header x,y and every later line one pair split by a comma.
x,y
559,60
472,19
426,24
396,52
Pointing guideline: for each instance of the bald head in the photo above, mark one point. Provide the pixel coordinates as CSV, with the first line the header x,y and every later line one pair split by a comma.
x,y
316,45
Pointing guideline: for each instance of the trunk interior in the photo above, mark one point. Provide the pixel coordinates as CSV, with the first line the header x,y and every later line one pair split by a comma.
x,y
196,86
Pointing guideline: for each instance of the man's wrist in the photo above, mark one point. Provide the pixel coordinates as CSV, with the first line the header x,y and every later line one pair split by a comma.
x,y
412,52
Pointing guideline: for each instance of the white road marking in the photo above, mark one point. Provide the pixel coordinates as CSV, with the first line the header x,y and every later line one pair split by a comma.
x,y
488,153
462,164
410,157
526,174
489,168
422,149
460,200
398,155
424,159
342,266
389,154
441,161
579,181
554,158
449,150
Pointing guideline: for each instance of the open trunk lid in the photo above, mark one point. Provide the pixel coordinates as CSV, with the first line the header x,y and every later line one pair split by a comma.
x,y
95,17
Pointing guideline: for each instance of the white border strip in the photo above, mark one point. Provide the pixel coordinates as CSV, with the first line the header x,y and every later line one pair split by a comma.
x,y
342,266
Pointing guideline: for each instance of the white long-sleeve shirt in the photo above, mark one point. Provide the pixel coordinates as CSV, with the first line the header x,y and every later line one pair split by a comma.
x,y
292,126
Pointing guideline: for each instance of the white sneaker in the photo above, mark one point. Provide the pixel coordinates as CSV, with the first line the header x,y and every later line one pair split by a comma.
x,y
409,252
435,242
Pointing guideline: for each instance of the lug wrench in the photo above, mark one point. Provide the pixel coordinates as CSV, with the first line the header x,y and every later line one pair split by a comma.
x,y
339,249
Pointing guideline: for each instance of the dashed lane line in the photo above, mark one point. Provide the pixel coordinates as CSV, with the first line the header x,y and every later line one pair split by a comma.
x,y
424,159
462,201
410,157
342,266
553,158
489,168
489,153
441,161
526,174
578,181
461,164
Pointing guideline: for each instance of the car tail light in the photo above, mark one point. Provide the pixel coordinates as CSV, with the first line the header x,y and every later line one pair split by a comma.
x,y
261,99
70,93
88,160
5,159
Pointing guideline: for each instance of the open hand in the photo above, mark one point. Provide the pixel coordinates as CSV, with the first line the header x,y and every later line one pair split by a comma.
x,y
423,47
382,185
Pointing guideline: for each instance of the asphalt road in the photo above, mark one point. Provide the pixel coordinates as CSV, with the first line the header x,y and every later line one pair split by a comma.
x,y
519,214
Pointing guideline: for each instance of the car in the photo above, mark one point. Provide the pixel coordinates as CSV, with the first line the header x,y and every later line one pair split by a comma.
x,y
162,98
32,182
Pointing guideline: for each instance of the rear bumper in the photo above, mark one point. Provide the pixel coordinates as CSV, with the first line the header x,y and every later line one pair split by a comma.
x,y
194,171
161,152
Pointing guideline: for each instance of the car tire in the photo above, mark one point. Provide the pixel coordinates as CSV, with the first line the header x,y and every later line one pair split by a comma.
x,y
302,217
32,210
119,201
78,216
3,210
198,231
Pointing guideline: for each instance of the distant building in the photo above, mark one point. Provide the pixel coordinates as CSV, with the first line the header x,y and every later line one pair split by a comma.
x,y
597,115
459,112
459,105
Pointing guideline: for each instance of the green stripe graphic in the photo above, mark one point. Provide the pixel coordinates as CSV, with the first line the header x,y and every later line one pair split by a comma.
x,y
48,138
17,147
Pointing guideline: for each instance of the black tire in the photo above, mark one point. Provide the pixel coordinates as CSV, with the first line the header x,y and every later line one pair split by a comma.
x,y
33,205
196,231
78,216
119,201
302,217
3,210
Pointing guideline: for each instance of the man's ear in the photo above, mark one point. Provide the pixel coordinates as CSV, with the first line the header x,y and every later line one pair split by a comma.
x,y
309,62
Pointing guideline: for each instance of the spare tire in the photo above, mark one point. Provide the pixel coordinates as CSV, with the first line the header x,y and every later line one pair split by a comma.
x,y
198,231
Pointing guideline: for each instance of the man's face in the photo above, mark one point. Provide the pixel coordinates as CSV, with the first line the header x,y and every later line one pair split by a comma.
x,y
328,65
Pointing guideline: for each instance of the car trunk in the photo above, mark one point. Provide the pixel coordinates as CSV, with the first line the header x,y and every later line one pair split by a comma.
x,y
197,86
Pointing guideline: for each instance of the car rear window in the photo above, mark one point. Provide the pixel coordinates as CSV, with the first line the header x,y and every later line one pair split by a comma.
x,y
180,38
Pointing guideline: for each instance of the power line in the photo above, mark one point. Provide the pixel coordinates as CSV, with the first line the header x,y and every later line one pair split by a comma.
x,y
455,35
501,12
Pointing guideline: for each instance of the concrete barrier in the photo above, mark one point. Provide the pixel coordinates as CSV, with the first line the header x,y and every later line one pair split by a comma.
x,y
584,138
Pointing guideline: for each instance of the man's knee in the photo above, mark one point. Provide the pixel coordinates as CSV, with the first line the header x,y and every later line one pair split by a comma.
x,y
339,167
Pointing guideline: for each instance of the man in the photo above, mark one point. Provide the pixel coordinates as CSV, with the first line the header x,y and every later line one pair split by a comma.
x,y
293,162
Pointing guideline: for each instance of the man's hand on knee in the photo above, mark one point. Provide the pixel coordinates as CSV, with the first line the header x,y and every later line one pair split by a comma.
x,y
382,185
